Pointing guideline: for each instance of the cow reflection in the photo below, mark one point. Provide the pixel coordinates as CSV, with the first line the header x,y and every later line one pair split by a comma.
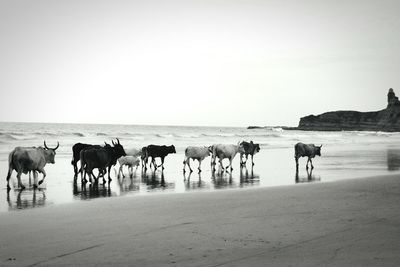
x,y
393,159
91,191
195,183
25,199
308,178
248,177
128,184
154,179
222,179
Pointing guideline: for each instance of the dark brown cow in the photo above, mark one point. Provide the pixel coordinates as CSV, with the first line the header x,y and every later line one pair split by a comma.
x,y
306,150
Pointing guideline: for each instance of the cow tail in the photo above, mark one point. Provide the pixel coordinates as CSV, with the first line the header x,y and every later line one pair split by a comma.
x,y
10,164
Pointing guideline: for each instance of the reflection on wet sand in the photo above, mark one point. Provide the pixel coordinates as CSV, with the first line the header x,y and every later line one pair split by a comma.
x,y
248,177
128,184
90,191
155,180
25,199
307,178
195,182
393,159
222,179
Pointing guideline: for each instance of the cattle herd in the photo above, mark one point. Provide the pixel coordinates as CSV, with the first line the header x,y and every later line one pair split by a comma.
x,y
32,160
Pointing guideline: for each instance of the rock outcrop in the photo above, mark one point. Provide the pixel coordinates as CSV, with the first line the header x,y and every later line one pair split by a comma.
x,y
387,119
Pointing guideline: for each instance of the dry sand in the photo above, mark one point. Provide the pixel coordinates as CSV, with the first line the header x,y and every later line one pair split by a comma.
x,y
346,223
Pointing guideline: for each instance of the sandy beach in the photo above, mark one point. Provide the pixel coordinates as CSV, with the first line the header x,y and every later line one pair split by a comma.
x,y
345,223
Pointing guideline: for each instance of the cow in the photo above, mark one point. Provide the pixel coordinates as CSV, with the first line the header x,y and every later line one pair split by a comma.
x,y
155,151
76,152
249,149
144,157
30,159
129,161
195,153
100,158
306,150
133,152
222,151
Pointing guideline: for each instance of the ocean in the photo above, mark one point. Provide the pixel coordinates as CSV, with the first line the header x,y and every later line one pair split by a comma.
x,y
345,155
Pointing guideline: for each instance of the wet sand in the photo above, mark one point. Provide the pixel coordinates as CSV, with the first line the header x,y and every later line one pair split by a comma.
x,y
273,167
344,223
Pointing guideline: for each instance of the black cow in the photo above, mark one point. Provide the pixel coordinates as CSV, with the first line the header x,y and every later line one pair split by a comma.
x,y
76,154
306,150
144,157
100,158
155,151
249,149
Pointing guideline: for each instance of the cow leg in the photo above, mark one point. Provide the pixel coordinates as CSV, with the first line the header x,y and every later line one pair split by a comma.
x,y
312,166
200,165
307,163
252,160
109,177
184,164
44,176
162,163
8,178
35,179
297,163
83,177
74,163
230,163
154,163
188,163
220,163
19,180
121,170
92,177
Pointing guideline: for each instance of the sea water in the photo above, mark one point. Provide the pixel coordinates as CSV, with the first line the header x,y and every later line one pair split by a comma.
x,y
345,155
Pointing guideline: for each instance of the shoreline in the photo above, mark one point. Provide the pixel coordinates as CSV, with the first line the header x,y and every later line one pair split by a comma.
x,y
348,222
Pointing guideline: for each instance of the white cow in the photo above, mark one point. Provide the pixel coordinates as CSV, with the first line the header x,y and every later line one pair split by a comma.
x,y
196,153
129,161
225,152
133,152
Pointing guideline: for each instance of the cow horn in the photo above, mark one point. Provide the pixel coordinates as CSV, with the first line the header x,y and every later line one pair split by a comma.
x,y
118,141
58,144
112,141
45,146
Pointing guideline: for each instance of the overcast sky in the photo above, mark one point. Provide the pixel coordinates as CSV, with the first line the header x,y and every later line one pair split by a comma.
x,y
228,63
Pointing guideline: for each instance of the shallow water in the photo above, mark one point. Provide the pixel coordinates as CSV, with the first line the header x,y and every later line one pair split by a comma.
x,y
344,155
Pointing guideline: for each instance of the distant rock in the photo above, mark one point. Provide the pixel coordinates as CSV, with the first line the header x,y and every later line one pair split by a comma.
x,y
387,120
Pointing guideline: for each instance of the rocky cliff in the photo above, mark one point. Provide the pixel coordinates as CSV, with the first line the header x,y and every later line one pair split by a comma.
x,y
387,119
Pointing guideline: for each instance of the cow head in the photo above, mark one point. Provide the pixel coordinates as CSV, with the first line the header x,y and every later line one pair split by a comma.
x,y
172,149
209,150
50,153
256,148
119,149
240,147
318,150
